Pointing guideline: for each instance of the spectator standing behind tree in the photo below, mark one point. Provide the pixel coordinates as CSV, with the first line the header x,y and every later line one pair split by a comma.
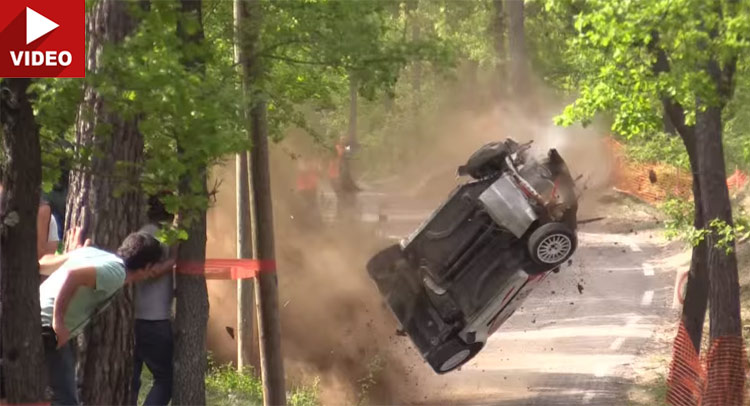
x,y
153,317
47,236
81,283
47,226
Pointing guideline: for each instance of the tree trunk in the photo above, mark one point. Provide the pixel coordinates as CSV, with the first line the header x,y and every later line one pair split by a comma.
x,y
21,331
247,337
416,76
497,28
696,294
667,125
247,343
106,202
722,266
191,294
266,286
726,361
347,195
351,133
519,78
192,314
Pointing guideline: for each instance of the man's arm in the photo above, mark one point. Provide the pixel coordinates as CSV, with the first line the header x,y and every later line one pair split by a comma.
x,y
42,229
162,267
50,263
75,279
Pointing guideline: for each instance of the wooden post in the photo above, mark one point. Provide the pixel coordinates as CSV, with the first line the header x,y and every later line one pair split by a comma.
x,y
247,348
266,286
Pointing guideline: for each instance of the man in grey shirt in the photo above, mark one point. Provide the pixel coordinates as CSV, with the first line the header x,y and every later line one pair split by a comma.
x,y
153,319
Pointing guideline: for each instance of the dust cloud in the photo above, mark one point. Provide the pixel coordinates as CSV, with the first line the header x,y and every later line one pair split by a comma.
x,y
334,323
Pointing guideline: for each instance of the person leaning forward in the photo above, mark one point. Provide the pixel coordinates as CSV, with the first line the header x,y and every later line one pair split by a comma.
x,y
81,283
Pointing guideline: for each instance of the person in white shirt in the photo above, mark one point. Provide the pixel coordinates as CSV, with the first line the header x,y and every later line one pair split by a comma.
x,y
46,227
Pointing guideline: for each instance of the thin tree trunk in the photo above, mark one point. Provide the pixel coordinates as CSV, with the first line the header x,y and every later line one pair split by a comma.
x,y
519,77
351,133
247,337
416,74
266,286
498,28
191,293
21,331
106,202
346,182
247,342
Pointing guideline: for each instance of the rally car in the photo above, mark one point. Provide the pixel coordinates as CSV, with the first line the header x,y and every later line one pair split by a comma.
x,y
469,266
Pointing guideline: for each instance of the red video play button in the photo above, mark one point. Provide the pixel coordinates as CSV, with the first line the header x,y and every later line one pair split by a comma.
x,y
42,38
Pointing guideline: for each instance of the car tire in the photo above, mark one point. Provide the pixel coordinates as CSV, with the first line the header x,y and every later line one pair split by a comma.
x,y
383,264
452,354
552,244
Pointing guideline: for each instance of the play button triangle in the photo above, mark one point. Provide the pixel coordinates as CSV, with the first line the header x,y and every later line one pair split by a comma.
x,y
37,25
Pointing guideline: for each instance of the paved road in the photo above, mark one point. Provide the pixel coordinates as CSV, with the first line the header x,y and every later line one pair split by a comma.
x,y
576,336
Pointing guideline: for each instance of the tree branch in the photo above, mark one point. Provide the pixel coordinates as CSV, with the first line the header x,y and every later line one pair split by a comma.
x,y
672,108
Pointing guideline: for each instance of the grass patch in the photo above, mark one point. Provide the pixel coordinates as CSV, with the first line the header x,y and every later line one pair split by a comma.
x,y
225,386
650,393
366,383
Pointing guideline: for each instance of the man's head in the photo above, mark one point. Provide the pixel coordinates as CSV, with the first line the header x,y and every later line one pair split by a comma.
x,y
139,250
157,213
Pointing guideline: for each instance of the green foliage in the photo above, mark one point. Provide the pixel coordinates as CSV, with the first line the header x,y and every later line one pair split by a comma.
x,y
55,105
659,147
549,26
679,224
616,48
313,48
225,386
305,395
193,107
737,119
679,214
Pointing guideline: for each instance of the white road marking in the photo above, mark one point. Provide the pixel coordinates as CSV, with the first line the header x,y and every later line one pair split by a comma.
x,y
633,246
617,343
601,371
588,397
648,297
601,330
633,321
648,269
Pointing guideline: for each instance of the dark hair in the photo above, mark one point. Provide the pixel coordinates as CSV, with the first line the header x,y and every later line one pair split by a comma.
x,y
138,250
157,213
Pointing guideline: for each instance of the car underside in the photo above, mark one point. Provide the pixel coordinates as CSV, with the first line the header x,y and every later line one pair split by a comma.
x,y
469,266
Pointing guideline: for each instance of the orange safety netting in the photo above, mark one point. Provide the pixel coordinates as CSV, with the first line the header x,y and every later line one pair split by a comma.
x,y
655,182
649,182
227,268
716,379
737,181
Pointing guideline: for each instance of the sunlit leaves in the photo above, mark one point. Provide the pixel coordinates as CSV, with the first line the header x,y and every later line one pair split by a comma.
x,y
621,41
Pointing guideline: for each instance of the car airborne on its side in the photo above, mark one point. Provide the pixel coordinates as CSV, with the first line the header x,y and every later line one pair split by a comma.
x,y
465,270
